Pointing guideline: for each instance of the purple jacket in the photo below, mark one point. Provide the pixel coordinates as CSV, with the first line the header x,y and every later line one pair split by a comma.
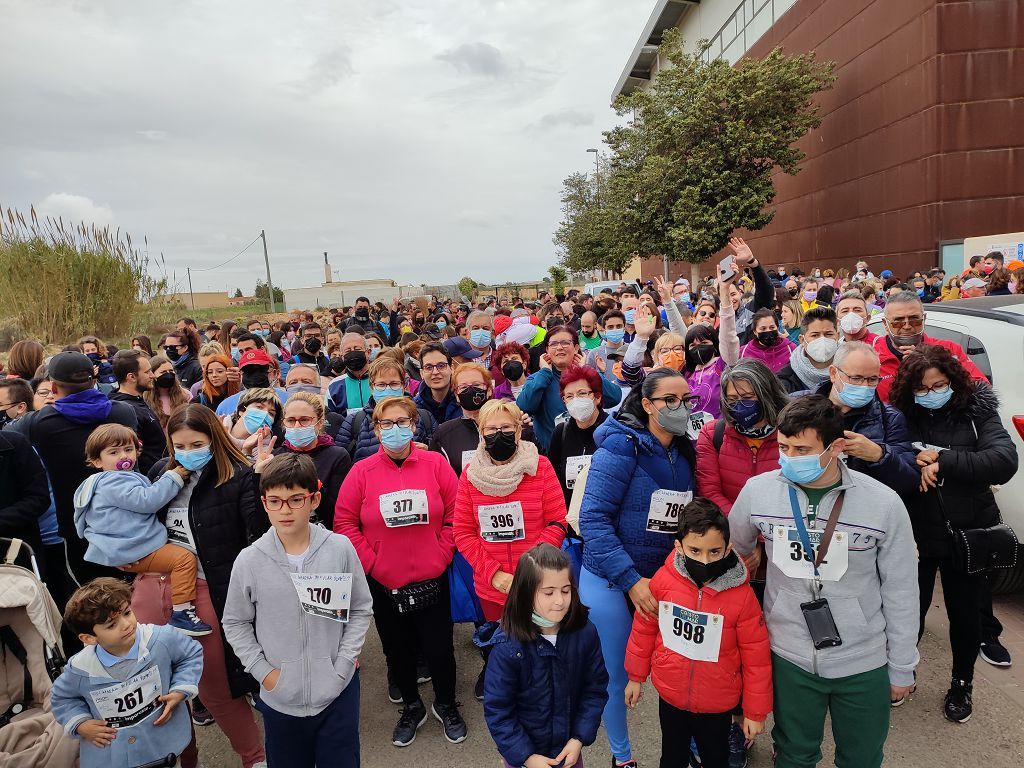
x,y
776,358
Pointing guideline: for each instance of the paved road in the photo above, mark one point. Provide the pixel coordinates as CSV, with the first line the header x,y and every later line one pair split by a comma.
x,y
920,736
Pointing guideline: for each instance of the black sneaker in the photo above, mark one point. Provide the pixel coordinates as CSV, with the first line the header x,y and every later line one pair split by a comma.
x,y
627,764
957,704
201,716
478,689
394,694
422,673
737,747
995,654
413,717
452,724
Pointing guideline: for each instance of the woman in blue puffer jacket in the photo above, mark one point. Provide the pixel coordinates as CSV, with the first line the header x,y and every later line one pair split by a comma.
x,y
640,478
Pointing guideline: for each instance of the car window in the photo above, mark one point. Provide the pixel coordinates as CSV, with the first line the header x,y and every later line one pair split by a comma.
x,y
972,345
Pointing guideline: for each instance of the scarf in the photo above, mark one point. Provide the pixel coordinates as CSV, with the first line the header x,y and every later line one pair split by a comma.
x,y
87,407
321,440
502,479
807,373
181,360
755,433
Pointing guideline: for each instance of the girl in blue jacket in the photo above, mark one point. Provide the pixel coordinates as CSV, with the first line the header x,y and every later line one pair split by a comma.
x,y
640,478
546,684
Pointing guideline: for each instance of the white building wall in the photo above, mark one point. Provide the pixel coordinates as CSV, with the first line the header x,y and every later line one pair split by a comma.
x,y
704,21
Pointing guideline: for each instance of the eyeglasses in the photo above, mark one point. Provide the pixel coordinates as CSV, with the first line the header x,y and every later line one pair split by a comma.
x,y
937,388
914,321
388,385
488,431
560,344
730,402
403,423
169,347
299,421
705,313
672,402
313,335
463,387
680,349
568,396
870,381
431,367
276,503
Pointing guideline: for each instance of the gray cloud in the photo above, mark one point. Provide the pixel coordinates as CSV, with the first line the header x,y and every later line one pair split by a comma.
x,y
573,118
477,59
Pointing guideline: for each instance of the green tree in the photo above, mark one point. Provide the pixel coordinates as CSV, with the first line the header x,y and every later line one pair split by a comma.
x,y
238,293
467,287
558,278
587,237
262,294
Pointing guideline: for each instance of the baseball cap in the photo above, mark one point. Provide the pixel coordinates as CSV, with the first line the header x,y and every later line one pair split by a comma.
x,y
432,331
974,282
71,368
254,357
459,347
885,274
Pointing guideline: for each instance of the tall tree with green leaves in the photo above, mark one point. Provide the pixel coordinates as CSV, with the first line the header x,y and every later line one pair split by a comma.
x,y
467,287
558,277
586,238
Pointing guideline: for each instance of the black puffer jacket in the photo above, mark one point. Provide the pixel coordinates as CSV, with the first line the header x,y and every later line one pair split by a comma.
x,y
981,454
225,520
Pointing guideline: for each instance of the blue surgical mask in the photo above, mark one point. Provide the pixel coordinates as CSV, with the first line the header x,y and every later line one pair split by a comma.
x,y
374,351
194,460
255,418
802,469
379,393
236,355
630,316
480,338
441,325
614,335
920,292
396,438
300,437
541,622
933,400
856,395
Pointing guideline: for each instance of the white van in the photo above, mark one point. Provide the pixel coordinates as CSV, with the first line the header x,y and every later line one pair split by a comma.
x,y
610,285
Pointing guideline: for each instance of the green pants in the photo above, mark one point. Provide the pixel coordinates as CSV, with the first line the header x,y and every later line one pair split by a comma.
x,y
859,705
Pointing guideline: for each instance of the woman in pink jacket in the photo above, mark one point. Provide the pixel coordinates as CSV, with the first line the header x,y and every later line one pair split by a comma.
x,y
769,345
397,508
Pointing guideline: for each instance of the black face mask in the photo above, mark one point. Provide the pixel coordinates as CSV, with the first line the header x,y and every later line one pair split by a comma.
x,y
472,398
255,377
354,361
700,355
512,370
313,345
705,573
553,322
165,380
768,338
500,446
173,354
362,313
792,292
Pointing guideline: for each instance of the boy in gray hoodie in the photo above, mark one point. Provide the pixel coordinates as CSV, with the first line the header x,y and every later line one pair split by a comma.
x,y
841,601
305,578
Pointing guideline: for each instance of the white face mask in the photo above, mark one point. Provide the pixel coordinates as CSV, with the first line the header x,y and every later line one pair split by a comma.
x,y
581,408
822,349
851,323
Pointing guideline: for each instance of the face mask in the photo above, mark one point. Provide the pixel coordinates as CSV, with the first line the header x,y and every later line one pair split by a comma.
x,y
513,370
313,345
541,622
768,338
172,354
379,393
614,335
822,349
851,323
312,389
95,357
256,418
856,395
195,460
912,340
374,351
397,438
300,437
125,464
236,355
362,313
630,316
675,422
817,273
673,360
355,361
165,380
793,291
920,293
702,354
441,325
255,377
500,446
934,400
803,469
472,398
810,295
480,338
705,573
553,322
581,408
987,269
746,413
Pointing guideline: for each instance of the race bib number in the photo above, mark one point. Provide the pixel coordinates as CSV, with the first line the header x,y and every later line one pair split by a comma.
x,y
326,595
573,466
502,522
402,508
695,635
178,530
129,703
697,422
790,555
467,456
666,506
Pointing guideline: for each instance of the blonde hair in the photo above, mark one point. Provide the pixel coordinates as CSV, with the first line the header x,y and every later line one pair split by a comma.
x,y
210,349
494,408
382,364
258,395
667,340
464,367
405,403
313,401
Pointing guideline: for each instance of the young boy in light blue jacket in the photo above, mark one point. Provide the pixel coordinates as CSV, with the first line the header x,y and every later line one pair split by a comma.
x,y
116,512
120,695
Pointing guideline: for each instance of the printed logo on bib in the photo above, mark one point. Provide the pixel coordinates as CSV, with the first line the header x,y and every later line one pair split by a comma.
x,y
326,595
666,506
695,635
573,466
401,508
178,529
788,553
467,456
129,703
697,422
501,522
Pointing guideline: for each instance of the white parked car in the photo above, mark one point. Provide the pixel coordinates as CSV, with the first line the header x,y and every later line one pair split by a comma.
x,y
609,285
990,330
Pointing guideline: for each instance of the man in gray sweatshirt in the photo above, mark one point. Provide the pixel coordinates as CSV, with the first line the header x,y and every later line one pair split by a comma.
x,y
842,618
296,615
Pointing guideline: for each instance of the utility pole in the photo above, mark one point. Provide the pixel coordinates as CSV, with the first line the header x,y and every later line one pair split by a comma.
x,y
188,271
266,260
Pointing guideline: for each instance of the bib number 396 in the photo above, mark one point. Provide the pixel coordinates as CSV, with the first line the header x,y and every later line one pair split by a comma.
x,y
501,523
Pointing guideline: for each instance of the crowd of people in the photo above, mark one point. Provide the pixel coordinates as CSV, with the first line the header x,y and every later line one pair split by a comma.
x,y
734,490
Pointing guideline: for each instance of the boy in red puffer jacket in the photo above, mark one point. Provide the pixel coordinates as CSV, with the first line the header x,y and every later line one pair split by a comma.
x,y
709,646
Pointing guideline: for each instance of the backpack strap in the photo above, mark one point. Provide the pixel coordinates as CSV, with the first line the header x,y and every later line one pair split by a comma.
x,y
10,642
718,438
357,425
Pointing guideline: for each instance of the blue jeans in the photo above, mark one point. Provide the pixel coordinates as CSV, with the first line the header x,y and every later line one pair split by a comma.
x,y
328,738
609,610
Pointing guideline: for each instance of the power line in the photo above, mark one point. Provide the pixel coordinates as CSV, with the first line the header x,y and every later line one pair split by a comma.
x,y
209,269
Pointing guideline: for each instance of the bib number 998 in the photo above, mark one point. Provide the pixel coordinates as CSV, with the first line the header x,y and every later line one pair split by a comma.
x,y
687,631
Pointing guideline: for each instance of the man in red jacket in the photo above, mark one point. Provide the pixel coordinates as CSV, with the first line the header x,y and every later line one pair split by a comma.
x,y
904,323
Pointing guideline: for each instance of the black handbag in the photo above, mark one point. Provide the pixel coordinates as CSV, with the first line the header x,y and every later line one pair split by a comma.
x,y
416,596
978,550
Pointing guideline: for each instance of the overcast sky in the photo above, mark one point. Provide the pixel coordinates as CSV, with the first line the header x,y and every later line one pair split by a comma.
x,y
420,140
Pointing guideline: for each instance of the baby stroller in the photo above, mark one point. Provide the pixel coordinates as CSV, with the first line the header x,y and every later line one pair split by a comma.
x,y
31,658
